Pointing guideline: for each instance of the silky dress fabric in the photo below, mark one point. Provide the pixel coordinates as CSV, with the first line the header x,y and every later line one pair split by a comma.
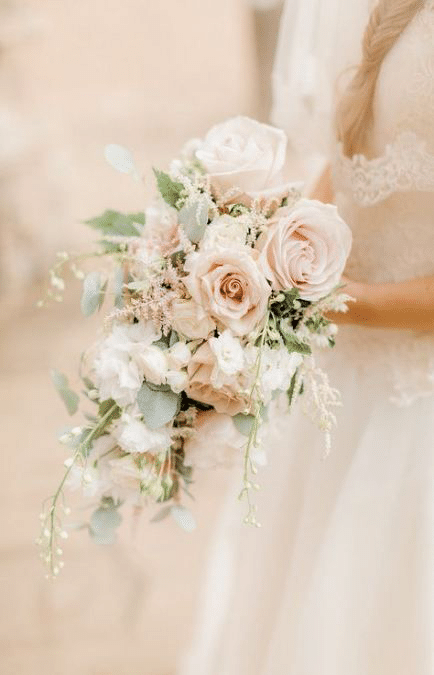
x,y
339,580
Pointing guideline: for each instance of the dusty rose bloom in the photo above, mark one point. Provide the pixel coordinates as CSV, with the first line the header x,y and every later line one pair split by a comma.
x,y
229,285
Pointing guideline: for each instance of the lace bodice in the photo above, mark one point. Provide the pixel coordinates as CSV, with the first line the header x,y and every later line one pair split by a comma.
x,y
387,197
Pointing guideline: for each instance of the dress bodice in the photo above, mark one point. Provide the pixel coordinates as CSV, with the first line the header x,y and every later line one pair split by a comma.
x,y
387,197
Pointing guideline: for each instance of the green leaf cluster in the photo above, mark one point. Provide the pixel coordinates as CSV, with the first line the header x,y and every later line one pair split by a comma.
x,y
170,190
68,396
113,223
104,522
93,294
158,404
286,312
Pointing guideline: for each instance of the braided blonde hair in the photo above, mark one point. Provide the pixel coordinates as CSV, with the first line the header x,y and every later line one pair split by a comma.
x,y
355,110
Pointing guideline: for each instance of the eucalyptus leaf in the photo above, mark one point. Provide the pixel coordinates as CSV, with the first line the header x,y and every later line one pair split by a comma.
x,y
91,296
103,523
183,517
69,397
243,423
161,514
118,286
170,190
106,538
194,219
121,159
157,406
60,380
102,294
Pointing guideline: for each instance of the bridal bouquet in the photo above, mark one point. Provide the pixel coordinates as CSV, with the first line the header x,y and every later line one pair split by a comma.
x,y
215,297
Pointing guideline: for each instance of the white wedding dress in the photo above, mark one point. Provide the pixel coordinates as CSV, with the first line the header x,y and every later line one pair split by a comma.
x,y
339,580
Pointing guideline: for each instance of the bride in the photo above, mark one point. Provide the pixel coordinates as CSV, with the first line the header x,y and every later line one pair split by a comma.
x,y
340,578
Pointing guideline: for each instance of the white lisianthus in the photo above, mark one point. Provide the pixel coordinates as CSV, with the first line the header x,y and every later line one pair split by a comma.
x,y
277,368
93,478
177,380
153,364
190,320
178,356
129,476
134,436
117,370
223,232
229,355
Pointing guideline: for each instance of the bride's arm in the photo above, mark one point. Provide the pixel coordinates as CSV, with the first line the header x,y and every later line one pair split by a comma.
x,y
323,190
407,304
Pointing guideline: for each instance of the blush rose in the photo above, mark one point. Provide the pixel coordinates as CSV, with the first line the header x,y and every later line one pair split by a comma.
x,y
305,247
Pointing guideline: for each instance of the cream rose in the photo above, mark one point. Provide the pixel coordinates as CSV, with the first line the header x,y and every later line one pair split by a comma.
x,y
190,320
229,285
243,153
227,398
305,247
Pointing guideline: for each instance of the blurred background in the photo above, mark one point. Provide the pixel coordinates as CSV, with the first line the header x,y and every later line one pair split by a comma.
x,y
74,77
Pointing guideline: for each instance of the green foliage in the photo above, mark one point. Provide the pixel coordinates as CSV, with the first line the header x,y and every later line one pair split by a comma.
x,y
109,406
118,285
183,517
170,190
113,223
194,219
158,405
244,423
161,514
69,397
93,293
104,521
291,393
293,344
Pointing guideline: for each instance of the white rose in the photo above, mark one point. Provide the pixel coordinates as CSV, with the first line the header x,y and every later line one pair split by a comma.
x,y
229,355
135,437
190,320
305,247
224,232
177,380
178,355
153,364
243,153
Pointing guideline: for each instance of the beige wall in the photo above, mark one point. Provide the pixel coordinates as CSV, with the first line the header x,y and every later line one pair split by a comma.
x,y
144,73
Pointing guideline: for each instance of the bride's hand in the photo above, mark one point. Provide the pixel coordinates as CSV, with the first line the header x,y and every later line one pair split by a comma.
x,y
402,304
355,290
